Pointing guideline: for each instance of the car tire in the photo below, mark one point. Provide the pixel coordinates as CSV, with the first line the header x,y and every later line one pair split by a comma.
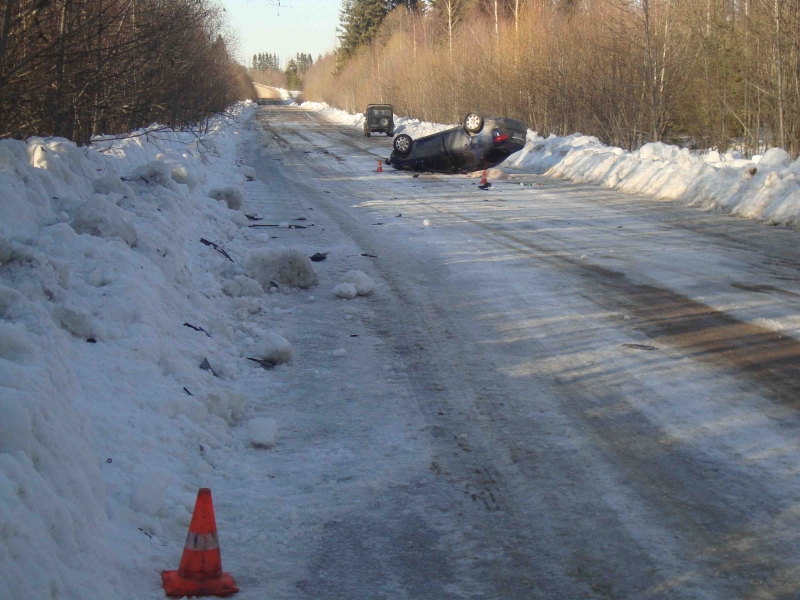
x,y
390,133
473,123
402,144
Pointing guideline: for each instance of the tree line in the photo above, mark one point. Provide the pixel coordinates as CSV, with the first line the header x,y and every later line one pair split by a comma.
x,y
79,68
266,70
700,73
264,61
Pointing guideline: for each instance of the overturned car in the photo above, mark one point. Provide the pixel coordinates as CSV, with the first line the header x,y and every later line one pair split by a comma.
x,y
477,144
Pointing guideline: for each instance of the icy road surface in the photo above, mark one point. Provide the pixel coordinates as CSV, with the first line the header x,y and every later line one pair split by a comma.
x,y
556,391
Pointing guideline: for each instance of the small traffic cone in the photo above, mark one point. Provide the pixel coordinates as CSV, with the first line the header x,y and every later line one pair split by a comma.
x,y
484,181
380,167
200,572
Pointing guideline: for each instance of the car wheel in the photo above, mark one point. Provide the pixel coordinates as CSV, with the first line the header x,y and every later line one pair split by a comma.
x,y
473,123
402,144
390,133
384,122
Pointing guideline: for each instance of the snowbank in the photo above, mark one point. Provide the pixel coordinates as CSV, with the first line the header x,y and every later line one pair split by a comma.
x,y
108,307
766,188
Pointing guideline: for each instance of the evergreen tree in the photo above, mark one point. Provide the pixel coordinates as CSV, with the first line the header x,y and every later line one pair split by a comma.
x,y
358,22
293,80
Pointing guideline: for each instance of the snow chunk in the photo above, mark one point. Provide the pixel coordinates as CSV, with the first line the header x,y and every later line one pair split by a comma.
x,y
345,290
248,172
225,404
111,184
339,352
238,218
248,287
155,171
77,323
283,265
283,225
361,281
242,286
151,494
101,218
775,157
262,432
232,195
273,348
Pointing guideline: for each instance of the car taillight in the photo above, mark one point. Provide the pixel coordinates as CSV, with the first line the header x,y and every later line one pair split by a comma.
x,y
500,137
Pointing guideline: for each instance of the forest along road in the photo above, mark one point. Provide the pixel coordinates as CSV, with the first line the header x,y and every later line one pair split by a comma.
x,y
557,391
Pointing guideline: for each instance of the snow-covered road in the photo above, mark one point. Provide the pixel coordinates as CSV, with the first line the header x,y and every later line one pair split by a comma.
x,y
556,391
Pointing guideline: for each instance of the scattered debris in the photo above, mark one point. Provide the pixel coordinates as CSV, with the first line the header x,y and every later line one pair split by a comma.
x,y
207,367
144,532
369,255
353,335
301,219
190,326
267,364
399,215
218,248
254,218
415,176
282,226
91,340
639,346
377,223
188,392
485,186
109,461
318,256
274,284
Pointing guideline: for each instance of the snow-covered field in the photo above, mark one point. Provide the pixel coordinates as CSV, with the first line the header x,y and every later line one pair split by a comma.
x,y
109,305
766,188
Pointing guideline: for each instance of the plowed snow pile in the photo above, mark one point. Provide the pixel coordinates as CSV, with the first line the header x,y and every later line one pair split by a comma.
x,y
109,305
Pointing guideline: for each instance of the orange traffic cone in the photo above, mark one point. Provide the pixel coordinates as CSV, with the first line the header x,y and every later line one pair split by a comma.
x,y
380,168
484,181
200,572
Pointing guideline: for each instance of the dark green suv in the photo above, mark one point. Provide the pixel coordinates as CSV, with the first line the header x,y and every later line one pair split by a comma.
x,y
379,118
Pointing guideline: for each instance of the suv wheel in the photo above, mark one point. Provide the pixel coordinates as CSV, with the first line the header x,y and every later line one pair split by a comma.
x,y
402,144
473,123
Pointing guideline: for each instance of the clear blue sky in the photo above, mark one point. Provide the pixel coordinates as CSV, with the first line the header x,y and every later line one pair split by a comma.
x,y
297,26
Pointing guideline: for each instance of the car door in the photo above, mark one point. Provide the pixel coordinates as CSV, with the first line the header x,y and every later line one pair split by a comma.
x,y
428,153
464,150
